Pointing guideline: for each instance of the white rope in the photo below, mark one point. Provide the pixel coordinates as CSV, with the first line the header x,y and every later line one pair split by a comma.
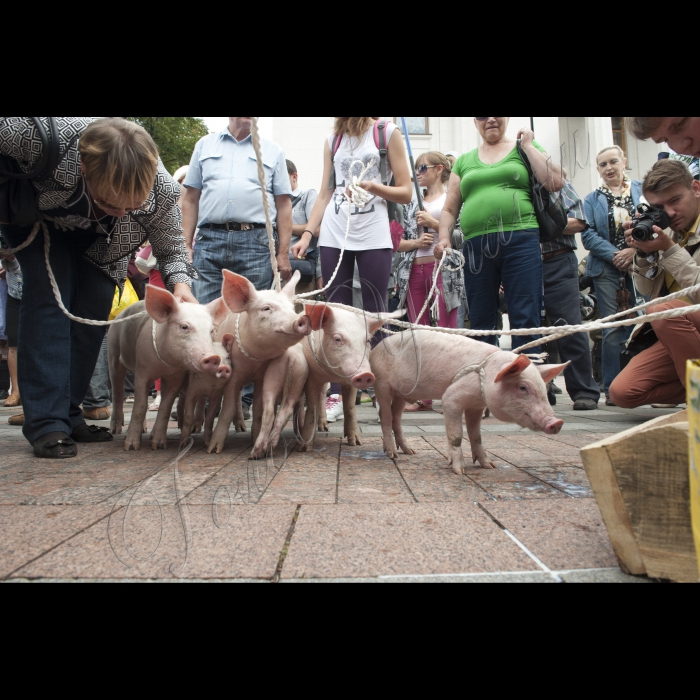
x,y
266,203
354,196
57,292
5,253
240,344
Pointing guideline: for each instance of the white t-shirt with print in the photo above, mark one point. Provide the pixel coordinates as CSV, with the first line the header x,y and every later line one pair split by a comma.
x,y
369,227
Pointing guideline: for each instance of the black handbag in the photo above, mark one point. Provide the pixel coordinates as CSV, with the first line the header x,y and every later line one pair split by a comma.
x,y
552,215
18,199
645,339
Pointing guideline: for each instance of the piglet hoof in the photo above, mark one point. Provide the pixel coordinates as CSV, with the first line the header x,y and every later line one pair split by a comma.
x,y
241,427
305,447
159,445
323,427
354,441
407,450
132,444
216,446
196,429
484,462
390,451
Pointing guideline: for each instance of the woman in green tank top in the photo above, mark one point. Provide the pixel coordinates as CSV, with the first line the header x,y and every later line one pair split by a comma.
x,y
491,187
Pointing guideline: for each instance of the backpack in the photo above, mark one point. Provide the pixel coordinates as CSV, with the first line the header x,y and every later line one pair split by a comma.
x,y
18,205
396,212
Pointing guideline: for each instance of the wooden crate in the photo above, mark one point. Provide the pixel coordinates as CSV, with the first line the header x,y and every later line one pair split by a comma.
x,y
641,481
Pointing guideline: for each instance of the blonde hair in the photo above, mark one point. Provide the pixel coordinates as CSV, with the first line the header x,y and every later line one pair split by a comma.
x,y
643,127
120,158
353,126
610,148
436,158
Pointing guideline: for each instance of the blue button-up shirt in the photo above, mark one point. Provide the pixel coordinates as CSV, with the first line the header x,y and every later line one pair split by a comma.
x,y
226,172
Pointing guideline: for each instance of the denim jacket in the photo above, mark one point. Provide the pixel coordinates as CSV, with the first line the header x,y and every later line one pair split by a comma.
x,y
596,238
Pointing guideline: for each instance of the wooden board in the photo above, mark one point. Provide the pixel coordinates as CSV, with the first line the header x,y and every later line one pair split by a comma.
x,y
640,479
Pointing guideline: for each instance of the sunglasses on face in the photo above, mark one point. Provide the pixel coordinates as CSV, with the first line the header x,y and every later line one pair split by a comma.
x,y
485,119
423,169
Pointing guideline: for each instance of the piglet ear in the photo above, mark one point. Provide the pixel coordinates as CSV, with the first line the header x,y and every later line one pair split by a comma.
x,y
514,369
376,322
321,316
291,289
237,292
551,372
160,304
218,311
227,341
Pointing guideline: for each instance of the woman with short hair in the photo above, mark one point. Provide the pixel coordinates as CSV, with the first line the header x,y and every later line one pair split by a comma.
x,y
107,195
491,187
611,260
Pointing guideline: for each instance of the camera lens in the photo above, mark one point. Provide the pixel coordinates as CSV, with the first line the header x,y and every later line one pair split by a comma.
x,y
643,231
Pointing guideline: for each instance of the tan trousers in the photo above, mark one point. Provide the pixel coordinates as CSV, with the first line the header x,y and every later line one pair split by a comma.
x,y
658,375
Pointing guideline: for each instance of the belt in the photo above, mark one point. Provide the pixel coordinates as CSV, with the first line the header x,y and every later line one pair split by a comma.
x,y
557,253
233,226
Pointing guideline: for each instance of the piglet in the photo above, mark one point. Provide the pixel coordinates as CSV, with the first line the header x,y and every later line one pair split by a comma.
x,y
284,384
430,365
173,340
264,325
337,351
203,386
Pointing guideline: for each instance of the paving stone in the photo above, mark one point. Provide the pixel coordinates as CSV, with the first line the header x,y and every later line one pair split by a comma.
x,y
363,480
602,576
366,541
565,535
146,543
571,480
442,486
30,531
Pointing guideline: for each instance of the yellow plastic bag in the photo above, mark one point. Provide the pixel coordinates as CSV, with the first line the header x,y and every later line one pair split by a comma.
x,y
694,418
128,298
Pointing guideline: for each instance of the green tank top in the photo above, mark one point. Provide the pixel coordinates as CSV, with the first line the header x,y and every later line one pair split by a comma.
x,y
497,198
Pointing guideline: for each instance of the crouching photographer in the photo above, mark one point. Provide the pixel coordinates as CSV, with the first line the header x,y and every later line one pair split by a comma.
x,y
667,261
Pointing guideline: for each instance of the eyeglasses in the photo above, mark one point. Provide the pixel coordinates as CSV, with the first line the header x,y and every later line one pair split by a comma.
x,y
485,119
423,169
108,208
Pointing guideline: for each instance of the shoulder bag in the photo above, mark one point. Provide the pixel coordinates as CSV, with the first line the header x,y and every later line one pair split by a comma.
x,y
18,199
552,216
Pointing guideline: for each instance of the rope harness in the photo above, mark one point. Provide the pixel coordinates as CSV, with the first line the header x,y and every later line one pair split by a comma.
x,y
240,344
356,196
480,369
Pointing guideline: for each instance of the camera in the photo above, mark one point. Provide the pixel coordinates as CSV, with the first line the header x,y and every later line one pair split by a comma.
x,y
649,217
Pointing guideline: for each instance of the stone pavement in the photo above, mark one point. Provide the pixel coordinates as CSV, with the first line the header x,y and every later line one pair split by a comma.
x,y
339,513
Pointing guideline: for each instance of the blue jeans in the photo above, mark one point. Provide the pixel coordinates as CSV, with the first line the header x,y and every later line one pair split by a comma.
x,y
99,394
247,253
56,358
513,260
3,309
606,287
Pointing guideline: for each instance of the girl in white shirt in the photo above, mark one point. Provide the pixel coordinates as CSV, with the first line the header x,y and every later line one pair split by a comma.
x,y
369,241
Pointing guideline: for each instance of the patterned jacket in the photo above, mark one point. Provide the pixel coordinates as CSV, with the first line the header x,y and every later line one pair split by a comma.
x,y
159,220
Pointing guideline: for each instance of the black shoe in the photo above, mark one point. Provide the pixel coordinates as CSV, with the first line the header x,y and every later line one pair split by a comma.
x,y
4,395
55,446
585,405
91,434
556,390
246,412
552,398
608,402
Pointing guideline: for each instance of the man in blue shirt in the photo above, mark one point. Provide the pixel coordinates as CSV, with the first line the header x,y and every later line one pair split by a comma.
x,y
223,199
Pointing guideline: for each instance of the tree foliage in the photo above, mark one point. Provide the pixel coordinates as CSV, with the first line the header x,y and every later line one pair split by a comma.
x,y
175,137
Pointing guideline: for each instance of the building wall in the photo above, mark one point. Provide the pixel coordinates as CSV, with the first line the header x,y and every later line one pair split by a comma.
x,y
573,141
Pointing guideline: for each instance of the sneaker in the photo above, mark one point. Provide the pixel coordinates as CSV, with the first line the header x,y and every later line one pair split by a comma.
x,y
585,405
334,409
609,402
98,413
130,399
665,405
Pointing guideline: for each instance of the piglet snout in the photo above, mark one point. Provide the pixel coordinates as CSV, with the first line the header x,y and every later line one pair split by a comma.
x,y
303,326
224,372
363,381
554,426
210,364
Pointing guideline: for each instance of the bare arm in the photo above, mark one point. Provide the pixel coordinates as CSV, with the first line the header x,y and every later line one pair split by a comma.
x,y
284,229
575,226
322,202
548,173
448,220
189,202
